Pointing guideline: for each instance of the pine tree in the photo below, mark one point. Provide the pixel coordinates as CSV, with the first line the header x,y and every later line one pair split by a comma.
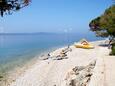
x,y
7,6
104,25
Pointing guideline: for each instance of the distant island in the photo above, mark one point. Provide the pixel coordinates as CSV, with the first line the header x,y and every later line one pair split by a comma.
x,y
36,33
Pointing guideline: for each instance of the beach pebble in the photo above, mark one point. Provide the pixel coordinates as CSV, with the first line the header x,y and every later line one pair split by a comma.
x,y
73,82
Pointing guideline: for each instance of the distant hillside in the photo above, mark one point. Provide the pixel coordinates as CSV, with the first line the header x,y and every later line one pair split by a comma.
x,y
37,33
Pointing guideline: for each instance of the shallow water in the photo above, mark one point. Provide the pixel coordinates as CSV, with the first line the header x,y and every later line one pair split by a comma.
x,y
16,49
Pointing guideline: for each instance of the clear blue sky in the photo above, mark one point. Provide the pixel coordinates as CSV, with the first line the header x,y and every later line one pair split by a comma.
x,y
54,16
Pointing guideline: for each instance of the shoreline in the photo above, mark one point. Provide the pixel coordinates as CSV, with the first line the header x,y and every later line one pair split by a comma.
x,y
53,72
11,75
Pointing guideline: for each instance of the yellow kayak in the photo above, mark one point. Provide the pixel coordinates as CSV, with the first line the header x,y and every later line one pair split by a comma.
x,y
88,46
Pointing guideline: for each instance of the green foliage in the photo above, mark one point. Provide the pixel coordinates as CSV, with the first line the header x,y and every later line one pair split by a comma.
x,y
8,6
104,26
113,49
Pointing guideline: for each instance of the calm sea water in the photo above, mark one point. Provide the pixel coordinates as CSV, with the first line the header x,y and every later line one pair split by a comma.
x,y
16,49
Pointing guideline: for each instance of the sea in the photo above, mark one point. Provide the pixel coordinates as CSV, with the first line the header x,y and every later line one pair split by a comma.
x,y
18,48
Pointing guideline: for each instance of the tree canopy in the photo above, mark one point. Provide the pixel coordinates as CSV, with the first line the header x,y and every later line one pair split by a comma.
x,y
7,6
104,25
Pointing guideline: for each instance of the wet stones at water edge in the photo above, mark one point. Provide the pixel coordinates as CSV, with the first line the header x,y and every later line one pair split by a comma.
x,y
1,77
80,75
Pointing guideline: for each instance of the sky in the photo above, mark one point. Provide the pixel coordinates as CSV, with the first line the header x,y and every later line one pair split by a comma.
x,y
54,16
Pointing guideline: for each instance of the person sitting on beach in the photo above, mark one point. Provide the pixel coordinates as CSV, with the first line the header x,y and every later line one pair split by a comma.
x,y
63,53
84,43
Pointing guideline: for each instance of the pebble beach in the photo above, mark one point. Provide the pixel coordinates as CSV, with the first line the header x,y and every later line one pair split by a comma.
x,y
80,67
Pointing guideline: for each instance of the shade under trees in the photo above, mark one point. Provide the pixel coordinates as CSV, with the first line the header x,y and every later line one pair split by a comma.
x,y
8,6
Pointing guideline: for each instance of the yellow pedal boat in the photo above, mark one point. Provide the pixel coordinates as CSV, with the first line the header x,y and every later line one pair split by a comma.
x,y
85,46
